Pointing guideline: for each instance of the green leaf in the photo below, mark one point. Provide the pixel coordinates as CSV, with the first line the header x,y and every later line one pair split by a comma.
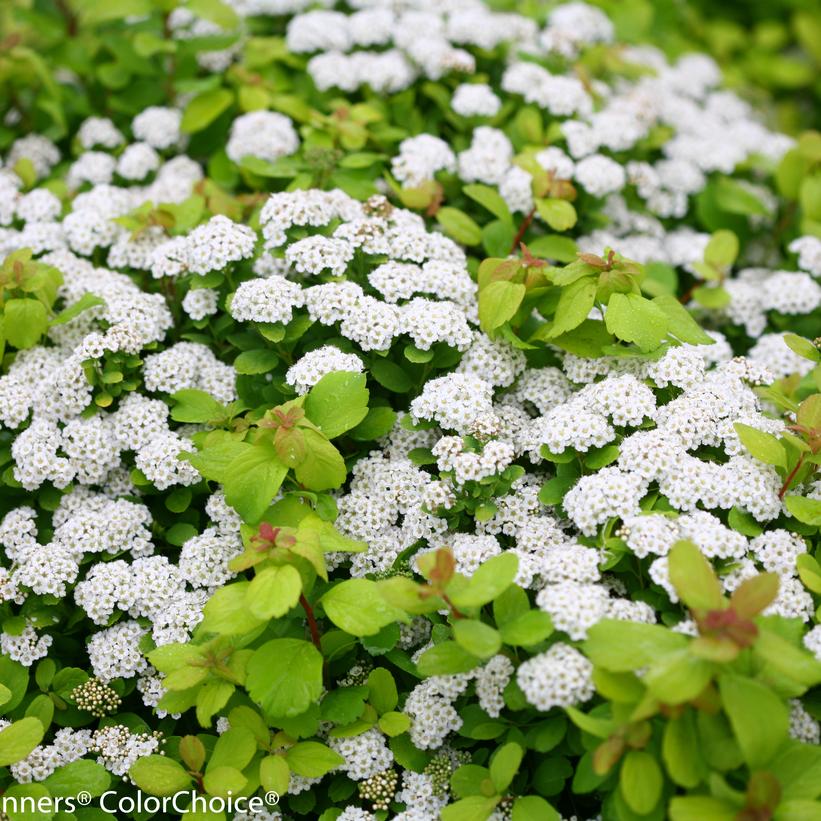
x,y
491,199
759,718
624,646
764,446
809,571
678,677
312,759
323,467
805,510
19,739
575,303
5,694
394,724
235,747
446,658
701,808
735,198
274,774
378,423
195,406
634,318
205,108
640,780
680,322
260,360
477,638
252,479
714,297
803,347
25,321
226,612
284,677
533,808
357,607
216,11
223,781
472,808
159,775
389,375
338,402
491,579
504,765
553,246
680,751
211,698
70,779
693,577
560,215
498,303
383,693
274,591
85,302
528,629
722,249
458,225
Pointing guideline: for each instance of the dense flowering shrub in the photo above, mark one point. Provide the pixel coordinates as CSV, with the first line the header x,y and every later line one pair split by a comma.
x,y
408,410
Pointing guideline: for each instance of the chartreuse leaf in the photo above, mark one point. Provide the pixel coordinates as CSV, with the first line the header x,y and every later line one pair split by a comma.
x,y
498,303
678,677
227,612
701,808
575,303
357,607
504,765
764,446
560,215
82,774
19,739
623,646
491,579
809,571
472,808
805,510
195,406
323,467
285,677
533,808
274,591
680,322
383,694
803,347
446,658
223,781
491,199
640,781
759,718
693,577
312,759
24,321
159,775
338,402
5,694
634,318
459,225
274,774
205,108
722,249
531,627
680,751
252,479
477,638
85,302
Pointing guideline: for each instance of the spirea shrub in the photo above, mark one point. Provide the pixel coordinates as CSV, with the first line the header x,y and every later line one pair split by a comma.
x,y
408,411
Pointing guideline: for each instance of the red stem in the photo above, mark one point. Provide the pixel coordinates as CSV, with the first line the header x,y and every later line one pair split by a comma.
x,y
522,228
312,625
791,476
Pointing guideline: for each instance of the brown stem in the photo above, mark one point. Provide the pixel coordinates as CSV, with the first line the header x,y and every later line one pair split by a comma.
x,y
454,611
688,295
312,625
522,229
71,19
791,476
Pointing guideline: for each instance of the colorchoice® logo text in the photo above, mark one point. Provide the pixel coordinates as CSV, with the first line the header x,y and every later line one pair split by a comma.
x,y
116,804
